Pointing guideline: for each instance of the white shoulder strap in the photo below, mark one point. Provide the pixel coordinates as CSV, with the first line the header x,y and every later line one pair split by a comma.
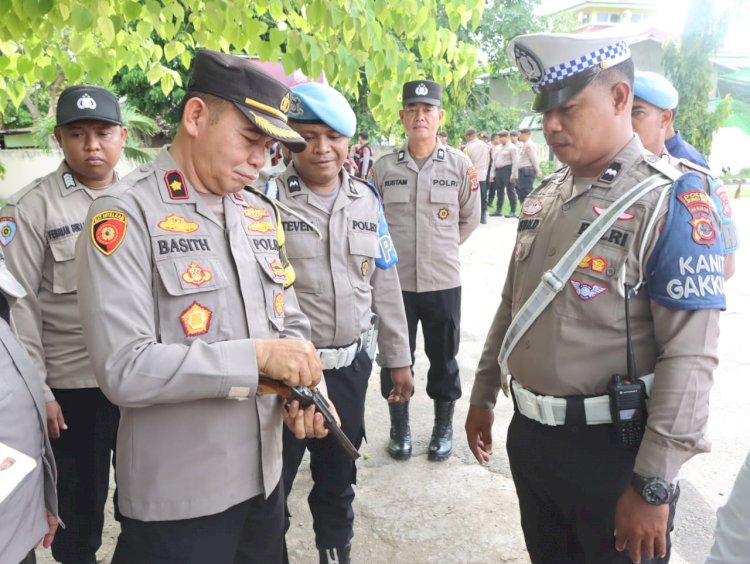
x,y
554,280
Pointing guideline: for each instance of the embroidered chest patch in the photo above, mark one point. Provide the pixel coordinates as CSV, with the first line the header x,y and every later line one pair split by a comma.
x,y
586,291
196,320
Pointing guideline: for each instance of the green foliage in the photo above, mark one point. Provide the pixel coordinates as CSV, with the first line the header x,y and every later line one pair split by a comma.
x,y
138,125
46,44
688,65
503,20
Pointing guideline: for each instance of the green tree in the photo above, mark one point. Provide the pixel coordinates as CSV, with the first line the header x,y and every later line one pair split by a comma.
x,y
48,44
689,66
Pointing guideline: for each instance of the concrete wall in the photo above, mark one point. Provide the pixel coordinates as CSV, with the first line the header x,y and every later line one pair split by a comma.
x,y
24,165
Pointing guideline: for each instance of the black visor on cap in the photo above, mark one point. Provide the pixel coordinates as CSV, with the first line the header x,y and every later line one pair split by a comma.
x,y
550,98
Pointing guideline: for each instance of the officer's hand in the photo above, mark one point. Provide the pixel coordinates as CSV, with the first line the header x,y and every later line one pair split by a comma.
x,y
403,384
292,361
46,541
640,527
513,179
55,419
479,432
307,423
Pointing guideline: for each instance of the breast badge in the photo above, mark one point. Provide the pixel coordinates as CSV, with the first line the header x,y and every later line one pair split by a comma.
x,y
278,303
196,274
443,213
597,264
261,227
177,224
7,230
196,320
587,291
108,230
254,213
698,204
277,269
473,178
532,207
364,268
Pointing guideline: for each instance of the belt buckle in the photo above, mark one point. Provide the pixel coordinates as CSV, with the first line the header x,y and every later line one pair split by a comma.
x,y
546,413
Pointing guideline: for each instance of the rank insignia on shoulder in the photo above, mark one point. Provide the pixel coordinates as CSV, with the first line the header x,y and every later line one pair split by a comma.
x,y
254,213
278,303
443,213
352,189
624,216
699,205
176,185
293,184
108,230
196,320
196,274
177,224
69,181
260,227
586,291
473,179
610,173
531,207
401,155
7,230
441,154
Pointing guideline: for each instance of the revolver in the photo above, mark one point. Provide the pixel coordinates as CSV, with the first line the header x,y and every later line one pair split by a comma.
x,y
305,397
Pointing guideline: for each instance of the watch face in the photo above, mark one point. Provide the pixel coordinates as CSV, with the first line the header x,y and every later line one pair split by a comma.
x,y
656,493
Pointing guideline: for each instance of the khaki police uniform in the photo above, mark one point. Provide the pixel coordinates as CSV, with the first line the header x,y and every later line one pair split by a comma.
x,y
174,301
505,161
338,285
528,168
479,153
47,217
578,342
23,427
430,212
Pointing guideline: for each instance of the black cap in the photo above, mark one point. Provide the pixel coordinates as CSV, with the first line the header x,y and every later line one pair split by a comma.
x,y
82,101
262,99
424,91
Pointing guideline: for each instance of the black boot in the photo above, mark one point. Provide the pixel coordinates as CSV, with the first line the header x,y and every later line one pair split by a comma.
x,y
441,442
399,446
338,555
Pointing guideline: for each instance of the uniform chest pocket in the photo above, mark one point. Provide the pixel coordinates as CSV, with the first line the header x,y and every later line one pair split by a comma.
x,y
394,204
444,204
190,299
272,280
363,250
305,252
591,293
64,266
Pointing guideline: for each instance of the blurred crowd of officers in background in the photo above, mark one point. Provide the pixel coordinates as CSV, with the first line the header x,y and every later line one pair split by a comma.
x,y
149,308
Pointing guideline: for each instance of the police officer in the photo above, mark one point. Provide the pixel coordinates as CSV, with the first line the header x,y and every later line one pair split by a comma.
x,y
582,496
653,103
29,513
41,224
362,156
186,306
431,201
505,174
479,154
528,164
341,275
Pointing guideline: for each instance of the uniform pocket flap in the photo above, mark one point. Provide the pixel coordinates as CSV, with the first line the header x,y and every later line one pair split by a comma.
x,y
190,276
443,196
395,196
363,244
303,246
63,249
64,267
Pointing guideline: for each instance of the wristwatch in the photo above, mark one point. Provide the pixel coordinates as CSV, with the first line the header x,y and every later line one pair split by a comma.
x,y
654,491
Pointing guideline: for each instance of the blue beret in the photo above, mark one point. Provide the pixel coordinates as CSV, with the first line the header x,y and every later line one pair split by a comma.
x,y
655,89
313,101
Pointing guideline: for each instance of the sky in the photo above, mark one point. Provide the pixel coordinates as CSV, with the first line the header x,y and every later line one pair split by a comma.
x,y
671,16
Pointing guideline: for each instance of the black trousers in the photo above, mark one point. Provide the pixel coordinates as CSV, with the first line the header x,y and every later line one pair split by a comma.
x,y
526,176
568,480
333,472
247,533
483,194
503,185
440,314
82,454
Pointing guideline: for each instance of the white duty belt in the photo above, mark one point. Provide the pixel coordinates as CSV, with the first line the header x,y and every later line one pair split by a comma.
x,y
554,280
551,410
333,359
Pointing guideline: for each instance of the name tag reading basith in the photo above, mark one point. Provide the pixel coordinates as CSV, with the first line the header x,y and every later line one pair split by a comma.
x,y
183,245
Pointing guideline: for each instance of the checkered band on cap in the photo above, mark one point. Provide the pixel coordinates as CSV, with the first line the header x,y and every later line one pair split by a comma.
x,y
605,56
